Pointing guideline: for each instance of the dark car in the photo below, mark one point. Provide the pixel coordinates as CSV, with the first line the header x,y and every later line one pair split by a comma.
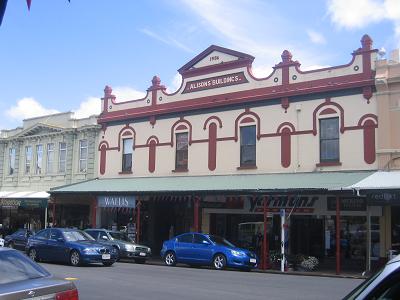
x,y
384,284
205,249
69,245
125,247
21,278
18,239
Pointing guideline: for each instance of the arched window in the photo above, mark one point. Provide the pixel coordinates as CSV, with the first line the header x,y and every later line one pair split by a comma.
x,y
248,137
126,143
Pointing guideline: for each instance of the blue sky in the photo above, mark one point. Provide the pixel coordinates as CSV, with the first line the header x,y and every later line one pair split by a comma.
x,y
59,56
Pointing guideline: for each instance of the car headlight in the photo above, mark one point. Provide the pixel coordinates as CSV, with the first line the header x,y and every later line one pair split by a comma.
x,y
90,251
130,248
238,253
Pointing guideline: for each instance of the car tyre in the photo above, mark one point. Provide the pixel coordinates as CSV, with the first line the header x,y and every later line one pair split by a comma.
x,y
75,258
219,262
33,254
108,263
117,253
170,259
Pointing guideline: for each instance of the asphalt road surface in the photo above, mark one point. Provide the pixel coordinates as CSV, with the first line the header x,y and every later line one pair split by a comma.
x,y
133,281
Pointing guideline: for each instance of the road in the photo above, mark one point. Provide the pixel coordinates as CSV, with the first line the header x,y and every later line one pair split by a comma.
x,y
133,281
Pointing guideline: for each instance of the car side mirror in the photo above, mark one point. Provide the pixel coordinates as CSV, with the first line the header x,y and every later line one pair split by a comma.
x,y
206,242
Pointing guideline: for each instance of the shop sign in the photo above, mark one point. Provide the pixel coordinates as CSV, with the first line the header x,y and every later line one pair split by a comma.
x,y
348,204
116,201
383,198
215,82
24,203
303,204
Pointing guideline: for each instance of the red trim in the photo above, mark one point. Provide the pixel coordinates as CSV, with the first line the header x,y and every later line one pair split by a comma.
x,y
247,120
212,146
328,103
152,155
285,103
365,117
212,118
247,112
94,207
181,127
337,235
228,138
181,120
265,257
329,164
328,111
199,141
138,221
103,143
369,141
247,167
153,137
285,147
196,214
127,133
286,125
103,157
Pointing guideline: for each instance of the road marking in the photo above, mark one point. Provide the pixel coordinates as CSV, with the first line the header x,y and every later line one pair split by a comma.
x,y
71,278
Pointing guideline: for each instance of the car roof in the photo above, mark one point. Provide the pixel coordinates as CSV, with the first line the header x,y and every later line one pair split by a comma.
x,y
396,259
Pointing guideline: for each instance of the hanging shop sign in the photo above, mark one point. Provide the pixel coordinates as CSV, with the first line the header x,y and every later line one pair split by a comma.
x,y
384,198
215,82
302,204
347,204
116,201
23,203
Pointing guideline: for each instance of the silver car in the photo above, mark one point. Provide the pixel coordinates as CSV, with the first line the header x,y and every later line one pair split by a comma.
x,y
22,278
385,284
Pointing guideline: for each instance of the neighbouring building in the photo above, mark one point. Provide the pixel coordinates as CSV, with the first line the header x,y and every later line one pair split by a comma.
x,y
229,154
45,152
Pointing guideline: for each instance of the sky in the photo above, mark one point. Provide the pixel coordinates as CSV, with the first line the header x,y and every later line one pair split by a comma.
x,y
59,56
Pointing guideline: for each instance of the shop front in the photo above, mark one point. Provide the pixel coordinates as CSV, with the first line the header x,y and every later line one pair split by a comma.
x,y
22,210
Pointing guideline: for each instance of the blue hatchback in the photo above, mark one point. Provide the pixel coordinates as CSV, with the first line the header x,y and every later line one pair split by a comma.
x,y
205,249
69,245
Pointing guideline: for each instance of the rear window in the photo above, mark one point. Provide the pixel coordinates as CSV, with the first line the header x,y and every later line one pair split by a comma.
x,y
15,266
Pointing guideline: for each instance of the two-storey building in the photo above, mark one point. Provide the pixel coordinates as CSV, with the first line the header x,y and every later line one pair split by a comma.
x,y
45,152
230,154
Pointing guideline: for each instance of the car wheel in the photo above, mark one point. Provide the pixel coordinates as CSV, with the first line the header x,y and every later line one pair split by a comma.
x,y
140,260
108,263
219,262
170,259
117,253
11,245
74,258
33,254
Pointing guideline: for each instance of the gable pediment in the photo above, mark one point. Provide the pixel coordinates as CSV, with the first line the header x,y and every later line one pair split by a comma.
x,y
215,56
39,129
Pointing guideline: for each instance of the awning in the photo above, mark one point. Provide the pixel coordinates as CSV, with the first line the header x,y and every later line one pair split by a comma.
x,y
254,183
26,199
388,180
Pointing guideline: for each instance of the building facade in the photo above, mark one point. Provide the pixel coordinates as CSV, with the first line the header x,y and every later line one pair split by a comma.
x,y
45,152
229,153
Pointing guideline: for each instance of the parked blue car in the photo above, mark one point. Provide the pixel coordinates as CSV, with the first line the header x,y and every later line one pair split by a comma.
x,y
205,249
69,245
18,239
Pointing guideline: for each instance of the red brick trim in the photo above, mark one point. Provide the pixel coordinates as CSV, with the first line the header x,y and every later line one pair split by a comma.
x,y
180,170
328,102
212,118
329,164
173,128
247,167
249,113
125,172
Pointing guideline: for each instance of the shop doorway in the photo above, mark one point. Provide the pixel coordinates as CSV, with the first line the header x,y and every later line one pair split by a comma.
x,y
306,236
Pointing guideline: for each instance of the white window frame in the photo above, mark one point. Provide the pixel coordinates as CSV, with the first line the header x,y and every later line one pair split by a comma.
x,y
50,158
83,161
28,163
62,163
39,159
11,159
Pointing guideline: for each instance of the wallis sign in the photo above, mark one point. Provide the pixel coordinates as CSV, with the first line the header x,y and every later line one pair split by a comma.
x,y
116,201
215,82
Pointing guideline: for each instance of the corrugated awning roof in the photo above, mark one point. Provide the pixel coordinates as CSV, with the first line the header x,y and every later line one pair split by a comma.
x,y
378,181
24,195
218,183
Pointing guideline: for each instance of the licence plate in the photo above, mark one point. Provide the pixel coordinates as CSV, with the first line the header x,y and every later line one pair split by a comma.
x,y
253,260
105,256
142,254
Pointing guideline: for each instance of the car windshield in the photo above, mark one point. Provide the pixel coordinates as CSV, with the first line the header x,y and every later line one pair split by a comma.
x,y
76,235
359,289
15,266
120,236
220,241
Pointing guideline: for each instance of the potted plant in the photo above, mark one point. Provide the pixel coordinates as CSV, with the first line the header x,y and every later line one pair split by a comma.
x,y
308,263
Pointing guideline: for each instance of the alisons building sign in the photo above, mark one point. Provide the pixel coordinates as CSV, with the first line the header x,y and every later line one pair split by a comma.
x,y
215,82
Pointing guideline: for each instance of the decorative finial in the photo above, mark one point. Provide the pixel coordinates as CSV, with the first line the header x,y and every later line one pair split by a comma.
x,y
286,56
156,81
107,91
366,42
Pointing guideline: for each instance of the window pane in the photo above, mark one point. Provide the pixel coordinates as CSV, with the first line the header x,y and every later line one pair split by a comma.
x,y
39,159
83,150
329,128
181,161
329,139
28,159
127,162
62,157
248,146
50,158
330,150
127,145
182,141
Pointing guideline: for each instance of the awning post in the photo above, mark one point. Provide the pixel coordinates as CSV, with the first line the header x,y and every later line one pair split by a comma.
x,y
337,235
368,244
265,255
196,213
94,208
45,218
138,221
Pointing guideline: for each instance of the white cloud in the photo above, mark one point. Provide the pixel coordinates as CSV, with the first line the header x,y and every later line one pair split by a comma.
x,y
316,37
166,40
91,106
175,84
28,108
